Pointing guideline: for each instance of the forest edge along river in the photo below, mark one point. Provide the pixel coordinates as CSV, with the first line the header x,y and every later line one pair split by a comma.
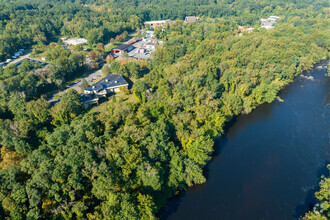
x,y
269,163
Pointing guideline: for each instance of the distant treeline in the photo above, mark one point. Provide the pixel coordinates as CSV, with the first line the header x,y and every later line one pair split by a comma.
x,y
124,160
26,23
246,12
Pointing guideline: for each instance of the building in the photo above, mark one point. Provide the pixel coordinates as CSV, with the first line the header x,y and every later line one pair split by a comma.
x,y
88,100
274,18
149,34
268,23
157,23
243,28
249,30
191,18
122,48
151,45
109,84
74,41
132,41
141,50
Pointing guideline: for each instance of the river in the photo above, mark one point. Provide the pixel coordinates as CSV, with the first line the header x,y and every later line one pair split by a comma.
x,y
269,163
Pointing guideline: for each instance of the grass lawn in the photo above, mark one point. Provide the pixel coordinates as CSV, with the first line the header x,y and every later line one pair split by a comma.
x,y
110,47
124,98
57,97
134,34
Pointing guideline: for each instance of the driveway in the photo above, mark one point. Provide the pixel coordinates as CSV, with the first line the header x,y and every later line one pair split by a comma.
x,y
91,78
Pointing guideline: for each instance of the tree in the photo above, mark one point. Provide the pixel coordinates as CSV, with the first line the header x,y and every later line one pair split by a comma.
x,y
115,67
109,59
134,70
84,84
26,66
321,210
146,207
139,89
125,54
92,55
39,109
9,157
100,50
68,108
106,70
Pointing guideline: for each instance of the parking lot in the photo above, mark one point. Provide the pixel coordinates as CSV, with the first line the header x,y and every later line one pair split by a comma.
x,y
136,55
91,78
18,60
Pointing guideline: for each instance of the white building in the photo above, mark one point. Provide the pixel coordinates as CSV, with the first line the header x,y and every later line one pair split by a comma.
x,y
268,23
151,45
157,23
149,34
74,41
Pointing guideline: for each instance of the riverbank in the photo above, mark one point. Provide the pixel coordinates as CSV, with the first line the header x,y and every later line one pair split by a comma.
x,y
239,158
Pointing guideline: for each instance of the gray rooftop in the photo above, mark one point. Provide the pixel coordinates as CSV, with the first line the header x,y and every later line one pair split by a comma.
x,y
152,43
123,47
108,82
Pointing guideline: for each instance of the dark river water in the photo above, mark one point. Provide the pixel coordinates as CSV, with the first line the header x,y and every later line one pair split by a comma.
x,y
269,164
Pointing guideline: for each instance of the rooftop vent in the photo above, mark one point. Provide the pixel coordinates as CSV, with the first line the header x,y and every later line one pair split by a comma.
x,y
93,87
106,80
116,81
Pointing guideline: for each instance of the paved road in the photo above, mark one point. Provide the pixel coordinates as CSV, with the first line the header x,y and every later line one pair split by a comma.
x,y
77,86
19,59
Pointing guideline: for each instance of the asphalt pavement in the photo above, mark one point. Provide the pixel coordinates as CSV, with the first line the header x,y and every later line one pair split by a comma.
x,y
91,78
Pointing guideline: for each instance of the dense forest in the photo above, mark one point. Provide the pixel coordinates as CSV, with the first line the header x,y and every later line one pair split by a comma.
x,y
125,159
26,23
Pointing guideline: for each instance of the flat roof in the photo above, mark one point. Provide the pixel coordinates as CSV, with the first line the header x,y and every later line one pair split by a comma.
x,y
157,22
122,47
151,43
74,41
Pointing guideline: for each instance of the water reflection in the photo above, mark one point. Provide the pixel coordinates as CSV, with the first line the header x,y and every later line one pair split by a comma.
x,y
269,164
